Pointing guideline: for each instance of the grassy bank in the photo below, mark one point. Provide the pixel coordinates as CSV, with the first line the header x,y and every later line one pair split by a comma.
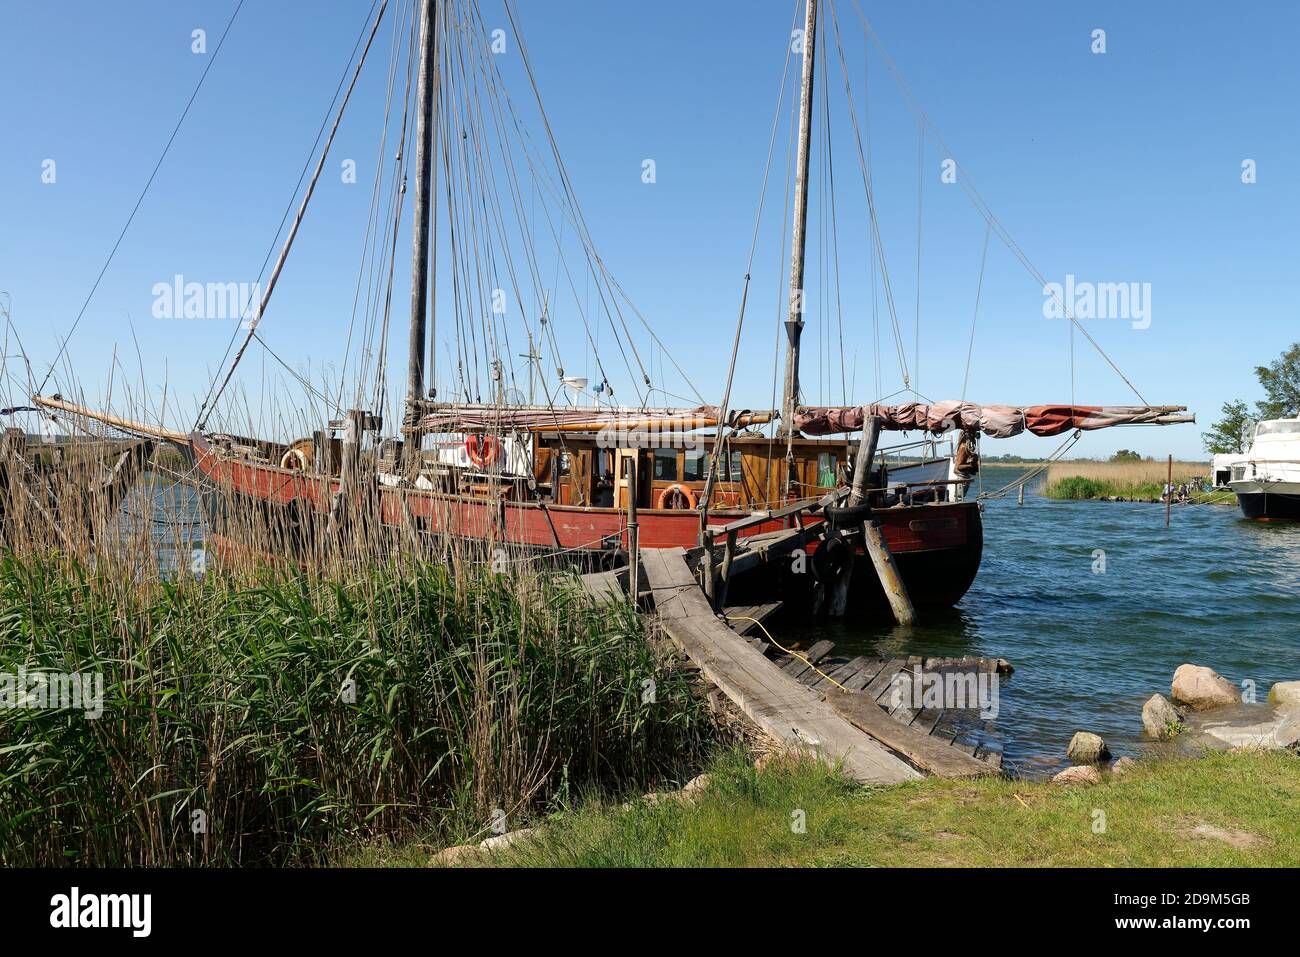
x,y
1130,480
1226,810
270,719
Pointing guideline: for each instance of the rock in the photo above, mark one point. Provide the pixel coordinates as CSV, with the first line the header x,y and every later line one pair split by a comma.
x,y
1273,730
502,841
1123,766
1082,774
1087,748
1285,694
1202,689
457,855
1160,719
696,785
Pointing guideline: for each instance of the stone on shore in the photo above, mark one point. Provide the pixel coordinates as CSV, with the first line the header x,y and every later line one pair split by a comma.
x,y
1087,748
457,855
1285,694
1123,766
1202,689
1080,774
1160,719
502,841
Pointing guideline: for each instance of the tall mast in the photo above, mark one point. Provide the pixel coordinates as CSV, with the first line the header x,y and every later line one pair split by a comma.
x,y
425,154
794,325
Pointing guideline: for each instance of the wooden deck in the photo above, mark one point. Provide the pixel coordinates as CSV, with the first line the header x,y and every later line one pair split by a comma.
x,y
787,710
855,711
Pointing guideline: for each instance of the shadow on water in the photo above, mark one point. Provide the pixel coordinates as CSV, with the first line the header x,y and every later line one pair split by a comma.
x,y
1096,604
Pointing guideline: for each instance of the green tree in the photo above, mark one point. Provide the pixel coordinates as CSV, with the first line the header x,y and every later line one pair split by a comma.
x,y
1126,455
1229,434
1281,382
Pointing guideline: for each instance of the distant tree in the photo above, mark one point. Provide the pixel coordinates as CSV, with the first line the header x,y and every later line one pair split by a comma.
x,y
1230,433
1281,382
1126,455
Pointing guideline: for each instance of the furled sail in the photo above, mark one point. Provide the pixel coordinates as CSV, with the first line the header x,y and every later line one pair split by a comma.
x,y
998,421
483,418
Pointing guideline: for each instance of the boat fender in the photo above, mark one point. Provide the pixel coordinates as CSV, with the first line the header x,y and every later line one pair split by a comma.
x,y
847,516
667,495
830,560
483,450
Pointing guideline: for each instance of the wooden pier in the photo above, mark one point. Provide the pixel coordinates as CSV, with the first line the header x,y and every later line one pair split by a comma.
x,y
848,712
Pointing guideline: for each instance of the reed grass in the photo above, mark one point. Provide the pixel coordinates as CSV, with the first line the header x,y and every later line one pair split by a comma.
x,y
358,688
1131,480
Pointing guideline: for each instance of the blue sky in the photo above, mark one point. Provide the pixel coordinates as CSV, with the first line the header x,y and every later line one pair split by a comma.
x,y
1117,167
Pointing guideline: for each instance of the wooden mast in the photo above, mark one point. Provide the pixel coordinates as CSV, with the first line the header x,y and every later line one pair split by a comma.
x,y
424,158
794,325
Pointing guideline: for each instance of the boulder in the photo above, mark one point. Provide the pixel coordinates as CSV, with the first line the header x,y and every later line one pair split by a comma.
x,y
696,785
1082,774
1087,748
1123,766
455,856
1285,694
1202,689
1160,719
502,841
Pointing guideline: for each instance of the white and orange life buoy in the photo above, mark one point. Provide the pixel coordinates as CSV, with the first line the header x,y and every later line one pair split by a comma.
x,y
483,450
299,456
677,497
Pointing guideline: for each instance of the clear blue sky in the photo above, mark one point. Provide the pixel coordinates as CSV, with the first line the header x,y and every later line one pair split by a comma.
x,y
1119,167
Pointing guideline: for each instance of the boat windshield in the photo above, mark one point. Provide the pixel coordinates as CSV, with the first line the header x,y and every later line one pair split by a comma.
x,y
1279,427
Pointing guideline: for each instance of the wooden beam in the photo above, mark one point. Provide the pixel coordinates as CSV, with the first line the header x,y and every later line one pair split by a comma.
x,y
928,753
887,571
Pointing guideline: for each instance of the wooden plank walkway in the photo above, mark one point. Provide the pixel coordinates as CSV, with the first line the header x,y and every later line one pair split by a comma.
x,y
780,705
859,709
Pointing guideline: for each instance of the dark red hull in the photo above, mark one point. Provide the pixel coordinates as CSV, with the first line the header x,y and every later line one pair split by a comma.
x,y
938,546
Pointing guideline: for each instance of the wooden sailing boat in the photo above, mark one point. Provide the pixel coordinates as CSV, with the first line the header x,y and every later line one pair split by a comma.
x,y
589,485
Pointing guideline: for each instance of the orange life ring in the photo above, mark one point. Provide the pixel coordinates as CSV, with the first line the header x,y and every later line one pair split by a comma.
x,y
483,450
674,490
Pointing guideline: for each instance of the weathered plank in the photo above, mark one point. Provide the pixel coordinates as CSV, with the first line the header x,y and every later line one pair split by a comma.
x,y
746,618
781,706
921,749
802,663
606,586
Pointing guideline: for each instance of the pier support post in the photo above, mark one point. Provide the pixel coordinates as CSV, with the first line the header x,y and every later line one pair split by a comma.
x,y
887,571
634,531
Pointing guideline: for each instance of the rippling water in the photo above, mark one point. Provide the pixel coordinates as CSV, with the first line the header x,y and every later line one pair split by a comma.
x,y
1090,648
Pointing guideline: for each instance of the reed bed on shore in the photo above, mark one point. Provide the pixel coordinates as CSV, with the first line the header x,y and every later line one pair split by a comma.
x,y
1141,480
259,712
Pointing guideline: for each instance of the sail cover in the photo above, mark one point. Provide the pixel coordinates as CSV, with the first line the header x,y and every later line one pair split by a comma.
x,y
998,421
533,418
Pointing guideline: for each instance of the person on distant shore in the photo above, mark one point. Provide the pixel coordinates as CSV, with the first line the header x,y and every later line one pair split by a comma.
x,y
1183,494
1167,492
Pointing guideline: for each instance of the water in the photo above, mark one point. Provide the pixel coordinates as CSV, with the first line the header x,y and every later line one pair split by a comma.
x,y
1089,648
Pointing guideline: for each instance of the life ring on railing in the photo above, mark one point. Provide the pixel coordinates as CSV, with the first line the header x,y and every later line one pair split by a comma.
x,y
677,497
483,450
299,456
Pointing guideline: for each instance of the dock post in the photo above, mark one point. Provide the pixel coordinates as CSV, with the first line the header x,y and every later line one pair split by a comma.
x,y
634,533
1169,488
887,571
1020,496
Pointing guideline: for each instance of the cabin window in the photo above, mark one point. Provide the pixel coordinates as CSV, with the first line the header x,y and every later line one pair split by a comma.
x,y
566,463
666,465
737,471
696,468
826,469
1278,428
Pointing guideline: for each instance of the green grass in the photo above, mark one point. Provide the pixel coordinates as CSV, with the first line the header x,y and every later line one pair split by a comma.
x,y
472,695
745,820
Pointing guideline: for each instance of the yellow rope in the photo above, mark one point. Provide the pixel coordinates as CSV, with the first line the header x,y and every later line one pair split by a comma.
x,y
793,654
